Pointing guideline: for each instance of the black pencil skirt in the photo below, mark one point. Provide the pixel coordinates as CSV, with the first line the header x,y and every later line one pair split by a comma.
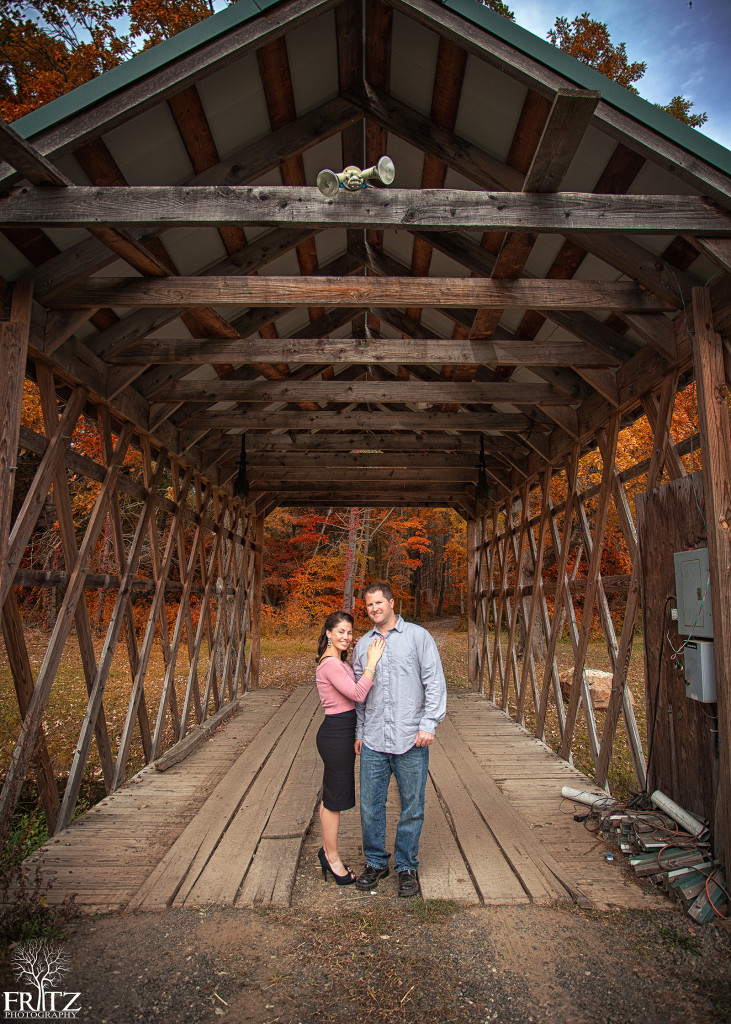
x,y
336,746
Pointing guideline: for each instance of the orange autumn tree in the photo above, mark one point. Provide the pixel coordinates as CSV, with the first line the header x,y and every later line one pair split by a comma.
x,y
589,41
314,560
49,47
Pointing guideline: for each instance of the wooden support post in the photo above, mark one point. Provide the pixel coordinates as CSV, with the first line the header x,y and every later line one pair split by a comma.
x,y
518,551
497,652
473,597
256,603
14,349
715,433
579,686
562,551
65,517
536,597
23,678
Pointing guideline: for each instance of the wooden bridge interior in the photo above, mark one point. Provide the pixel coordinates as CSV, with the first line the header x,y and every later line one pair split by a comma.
x,y
552,262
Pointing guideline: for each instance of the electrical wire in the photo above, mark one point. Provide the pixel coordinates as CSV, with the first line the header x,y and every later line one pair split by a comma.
x,y
724,890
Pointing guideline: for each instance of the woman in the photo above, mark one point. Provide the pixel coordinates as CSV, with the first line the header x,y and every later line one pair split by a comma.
x,y
336,736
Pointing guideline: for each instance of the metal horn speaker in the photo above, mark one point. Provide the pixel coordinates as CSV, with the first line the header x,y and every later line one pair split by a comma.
x,y
353,179
383,172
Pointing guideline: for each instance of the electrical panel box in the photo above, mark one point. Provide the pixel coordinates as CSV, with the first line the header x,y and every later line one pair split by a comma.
x,y
693,593
700,671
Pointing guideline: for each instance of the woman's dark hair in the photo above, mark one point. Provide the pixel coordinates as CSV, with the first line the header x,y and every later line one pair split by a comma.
x,y
330,623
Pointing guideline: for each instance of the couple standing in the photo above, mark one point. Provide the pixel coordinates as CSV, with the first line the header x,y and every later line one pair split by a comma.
x,y
386,708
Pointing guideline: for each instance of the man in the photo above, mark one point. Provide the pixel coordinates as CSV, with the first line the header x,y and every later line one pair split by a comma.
x,y
395,728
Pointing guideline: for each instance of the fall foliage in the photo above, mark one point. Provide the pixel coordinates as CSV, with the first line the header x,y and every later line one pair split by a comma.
x,y
588,40
50,47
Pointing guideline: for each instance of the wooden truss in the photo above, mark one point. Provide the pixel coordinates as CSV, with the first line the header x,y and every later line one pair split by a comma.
x,y
511,595
192,544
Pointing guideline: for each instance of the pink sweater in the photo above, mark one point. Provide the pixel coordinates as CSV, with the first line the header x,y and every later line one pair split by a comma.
x,y
337,686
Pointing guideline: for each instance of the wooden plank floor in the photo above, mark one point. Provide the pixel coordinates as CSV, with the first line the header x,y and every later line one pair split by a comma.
x,y
235,822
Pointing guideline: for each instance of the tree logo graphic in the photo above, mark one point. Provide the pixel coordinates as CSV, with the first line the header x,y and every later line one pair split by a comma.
x,y
40,964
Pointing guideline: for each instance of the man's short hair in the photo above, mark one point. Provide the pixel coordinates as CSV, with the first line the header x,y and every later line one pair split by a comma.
x,y
373,588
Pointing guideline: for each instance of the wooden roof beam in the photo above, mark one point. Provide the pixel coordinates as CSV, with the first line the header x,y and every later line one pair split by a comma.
x,y
421,131
305,461
40,172
495,352
436,292
138,324
359,392
446,94
541,77
435,209
169,79
568,119
241,167
302,442
622,253
370,476
359,420
276,81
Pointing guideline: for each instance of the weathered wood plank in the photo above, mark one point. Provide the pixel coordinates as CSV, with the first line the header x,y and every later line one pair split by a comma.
x,y
196,736
445,209
493,877
297,419
443,873
509,829
187,857
264,392
570,114
273,870
495,352
14,335
222,874
437,292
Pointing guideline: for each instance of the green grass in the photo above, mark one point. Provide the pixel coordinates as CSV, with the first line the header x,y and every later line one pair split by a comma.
x,y
674,937
432,911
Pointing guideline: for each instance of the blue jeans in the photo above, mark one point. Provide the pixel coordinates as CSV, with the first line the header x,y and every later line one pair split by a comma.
x,y
411,770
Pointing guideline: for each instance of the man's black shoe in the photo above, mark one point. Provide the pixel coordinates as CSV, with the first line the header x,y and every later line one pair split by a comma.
x,y
408,884
369,878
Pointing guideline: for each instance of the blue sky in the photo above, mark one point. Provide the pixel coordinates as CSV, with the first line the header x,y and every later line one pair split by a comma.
x,y
687,47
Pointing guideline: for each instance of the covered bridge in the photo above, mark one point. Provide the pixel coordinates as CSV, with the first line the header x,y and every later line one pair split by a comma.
x,y
551,262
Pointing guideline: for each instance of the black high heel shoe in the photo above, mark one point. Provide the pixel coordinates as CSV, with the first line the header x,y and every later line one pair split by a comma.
x,y
346,879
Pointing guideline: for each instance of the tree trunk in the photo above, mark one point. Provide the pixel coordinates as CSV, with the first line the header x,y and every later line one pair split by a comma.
x,y
363,557
442,582
417,593
350,562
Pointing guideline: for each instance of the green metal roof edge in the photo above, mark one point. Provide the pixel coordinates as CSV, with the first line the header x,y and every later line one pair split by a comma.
x,y
641,110
139,66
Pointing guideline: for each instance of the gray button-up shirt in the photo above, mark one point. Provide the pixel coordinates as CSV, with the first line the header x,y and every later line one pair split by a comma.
x,y
409,692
